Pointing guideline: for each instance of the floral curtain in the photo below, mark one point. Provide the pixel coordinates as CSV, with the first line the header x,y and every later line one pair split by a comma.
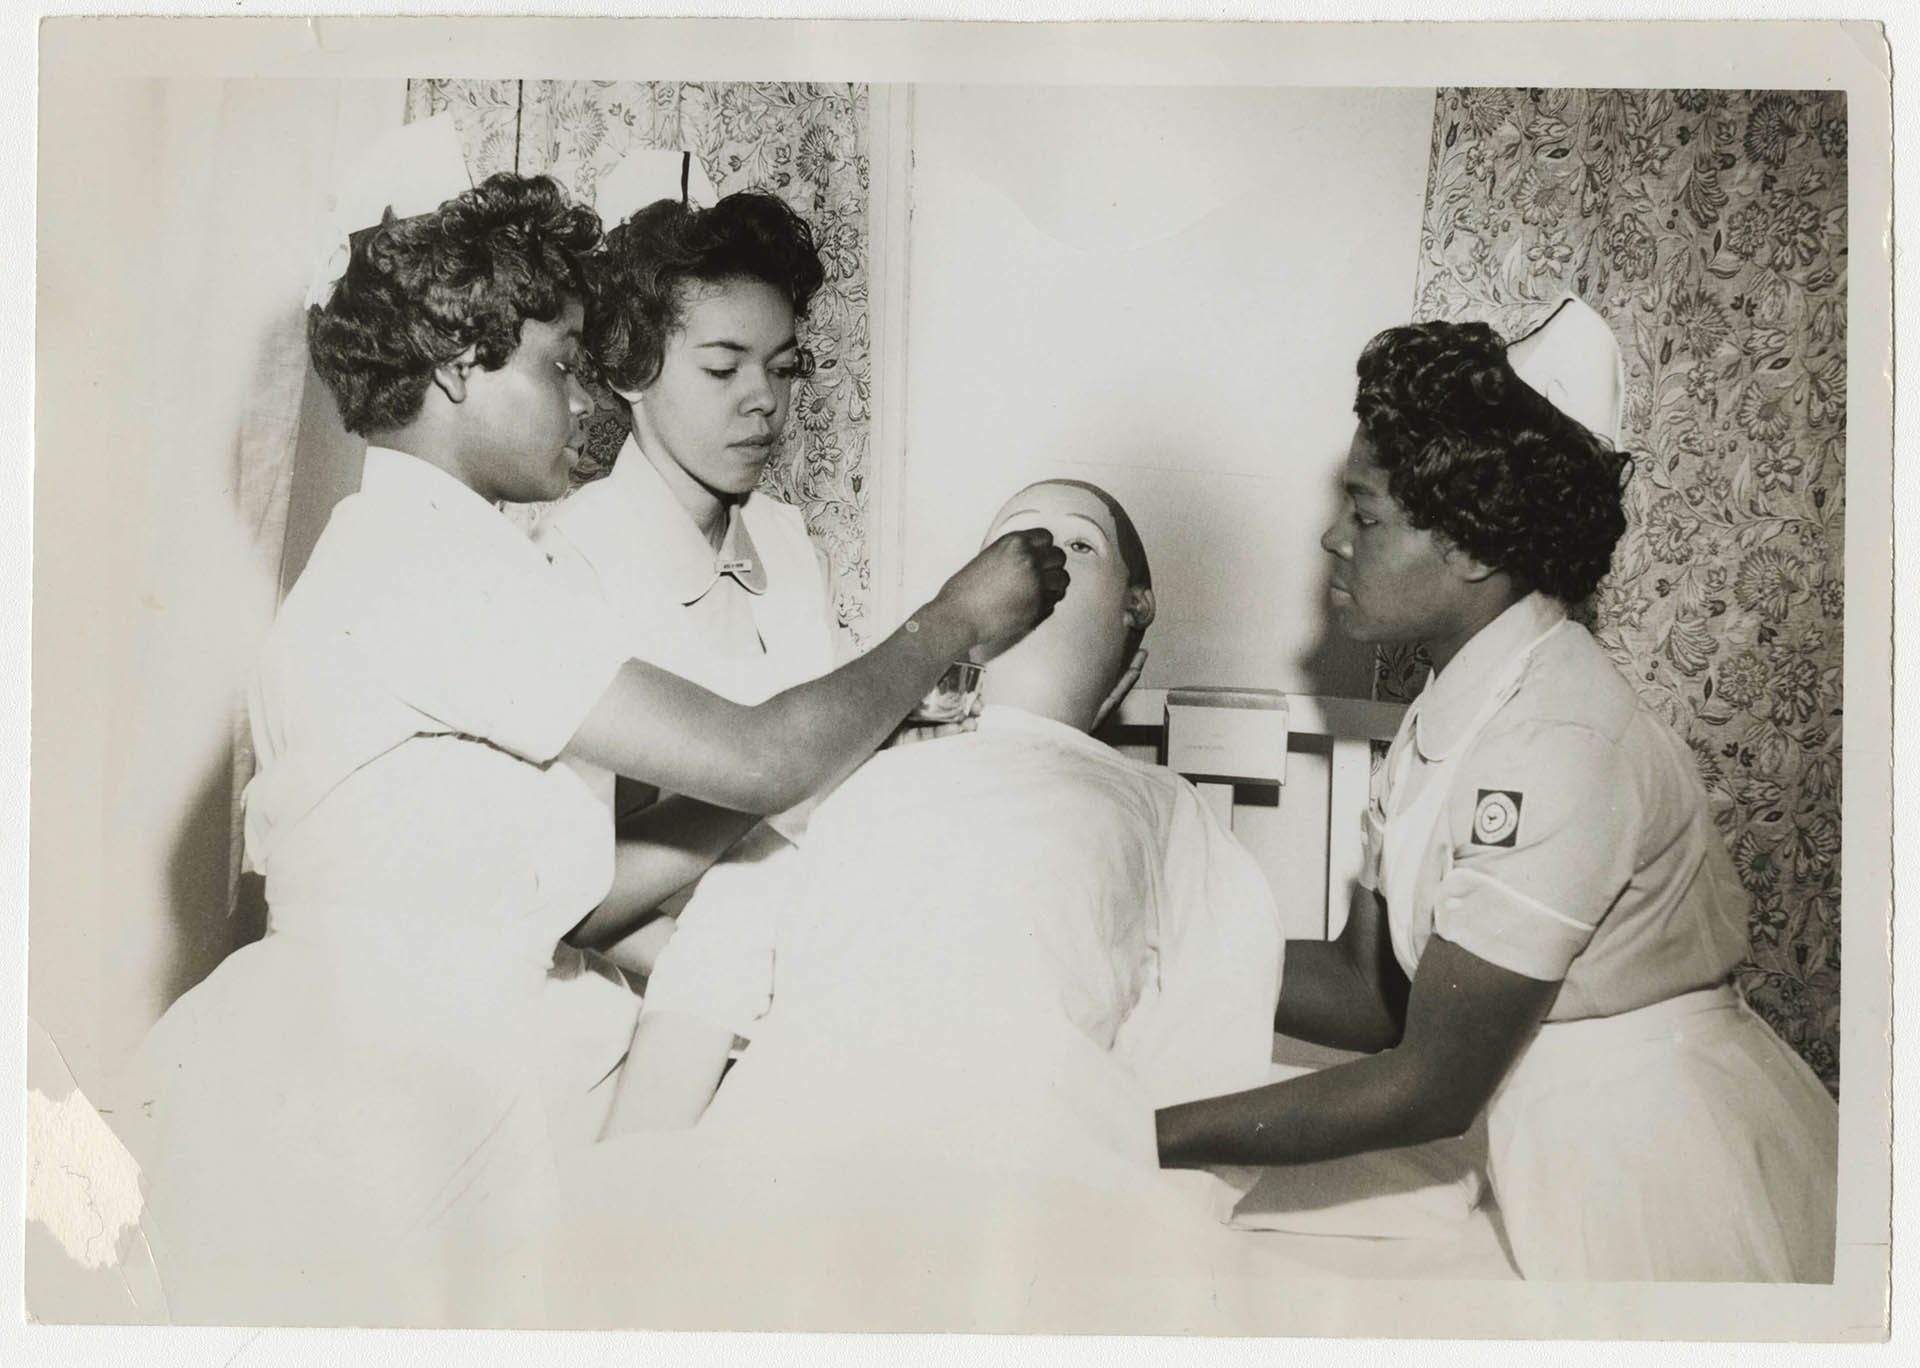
x,y
1710,228
806,142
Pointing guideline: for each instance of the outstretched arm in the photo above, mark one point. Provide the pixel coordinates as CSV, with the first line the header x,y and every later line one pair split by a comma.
x,y
1467,1021
657,727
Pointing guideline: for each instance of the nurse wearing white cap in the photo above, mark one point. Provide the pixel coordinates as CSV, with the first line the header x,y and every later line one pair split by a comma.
x,y
343,1123
1548,922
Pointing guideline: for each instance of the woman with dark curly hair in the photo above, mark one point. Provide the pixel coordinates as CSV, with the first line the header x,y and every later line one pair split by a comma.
x,y
345,1120
1547,921
692,322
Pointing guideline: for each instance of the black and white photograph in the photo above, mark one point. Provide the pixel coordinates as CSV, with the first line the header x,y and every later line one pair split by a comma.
x,y
1090,679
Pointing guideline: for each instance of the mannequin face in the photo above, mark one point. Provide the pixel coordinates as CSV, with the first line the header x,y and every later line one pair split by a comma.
x,y
1066,666
710,420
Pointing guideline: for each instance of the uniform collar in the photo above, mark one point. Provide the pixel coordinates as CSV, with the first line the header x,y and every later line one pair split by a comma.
x,y
1490,663
395,477
673,547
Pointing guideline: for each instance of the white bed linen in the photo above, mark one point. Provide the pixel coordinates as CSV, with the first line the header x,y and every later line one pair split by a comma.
x,y
689,1230
1012,933
996,953
1421,1211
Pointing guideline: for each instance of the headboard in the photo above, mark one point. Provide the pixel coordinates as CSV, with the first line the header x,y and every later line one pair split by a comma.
x,y
1288,772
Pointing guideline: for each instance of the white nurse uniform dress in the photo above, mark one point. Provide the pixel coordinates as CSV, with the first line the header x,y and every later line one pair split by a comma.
x,y
343,1122
1534,812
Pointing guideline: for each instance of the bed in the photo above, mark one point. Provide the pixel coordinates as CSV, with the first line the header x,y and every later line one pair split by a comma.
x,y
1289,774
799,1204
1422,1212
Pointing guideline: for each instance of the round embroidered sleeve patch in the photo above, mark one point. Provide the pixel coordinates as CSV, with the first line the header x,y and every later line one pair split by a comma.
x,y
1496,817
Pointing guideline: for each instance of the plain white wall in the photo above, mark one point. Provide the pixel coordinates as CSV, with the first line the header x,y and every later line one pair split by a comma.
x,y
175,240
1162,290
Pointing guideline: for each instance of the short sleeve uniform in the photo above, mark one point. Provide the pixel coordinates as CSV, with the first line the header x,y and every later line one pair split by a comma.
x,y
1575,843
346,1114
746,621
1535,813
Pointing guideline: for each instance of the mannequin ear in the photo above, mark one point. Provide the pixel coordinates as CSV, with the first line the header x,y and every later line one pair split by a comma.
x,y
450,377
1140,607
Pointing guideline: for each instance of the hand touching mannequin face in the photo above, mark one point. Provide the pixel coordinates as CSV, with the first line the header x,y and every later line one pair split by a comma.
x,y
1067,668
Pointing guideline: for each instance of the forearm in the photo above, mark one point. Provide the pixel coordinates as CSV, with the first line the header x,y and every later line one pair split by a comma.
x,y
1467,1021
823,730
661,729
1380,1102
1348,993
661,850
1325,999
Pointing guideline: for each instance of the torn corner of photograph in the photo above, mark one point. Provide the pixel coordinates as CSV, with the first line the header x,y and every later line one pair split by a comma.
x,y
82,1184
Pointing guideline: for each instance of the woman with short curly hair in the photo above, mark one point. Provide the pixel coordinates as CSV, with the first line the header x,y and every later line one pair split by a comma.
x,y
1546,923
1486,462
345,1121
693,323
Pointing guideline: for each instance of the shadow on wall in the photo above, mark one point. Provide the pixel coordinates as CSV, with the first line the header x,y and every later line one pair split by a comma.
x,y
211,916
214,908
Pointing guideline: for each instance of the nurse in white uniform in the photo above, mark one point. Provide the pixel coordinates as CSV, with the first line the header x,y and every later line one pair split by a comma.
x,y
1548,921
342,1124
693,324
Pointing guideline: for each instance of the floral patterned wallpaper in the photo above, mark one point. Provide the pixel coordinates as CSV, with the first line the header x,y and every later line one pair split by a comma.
x,y
806,142
1709,226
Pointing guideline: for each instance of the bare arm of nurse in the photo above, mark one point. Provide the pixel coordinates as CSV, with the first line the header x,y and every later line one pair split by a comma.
x,y
1466,1022
677,1058
1444,1041
1073,671
726,763
694,327
510,432
1438,1048
656,726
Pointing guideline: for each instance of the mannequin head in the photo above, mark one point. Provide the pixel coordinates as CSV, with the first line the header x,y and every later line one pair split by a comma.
x,y
1067,666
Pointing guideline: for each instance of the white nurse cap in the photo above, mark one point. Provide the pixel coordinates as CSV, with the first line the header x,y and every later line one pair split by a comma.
x,y
412,169
646,176
1573,359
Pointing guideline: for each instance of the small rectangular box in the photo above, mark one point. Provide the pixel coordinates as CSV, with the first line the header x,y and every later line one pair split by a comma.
x,y
1232,735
